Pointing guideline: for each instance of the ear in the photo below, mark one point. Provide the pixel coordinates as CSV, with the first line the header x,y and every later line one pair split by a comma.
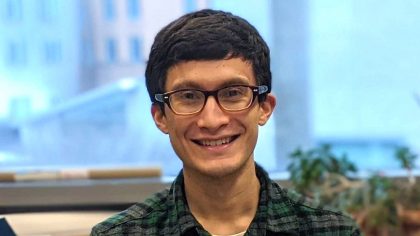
x,y
266,109
159,118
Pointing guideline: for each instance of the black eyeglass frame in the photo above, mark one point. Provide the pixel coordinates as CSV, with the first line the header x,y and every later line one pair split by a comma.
x,y
256,91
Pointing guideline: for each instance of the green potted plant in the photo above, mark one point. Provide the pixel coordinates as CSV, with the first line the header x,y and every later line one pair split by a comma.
x,y
408,203
310,169
379,204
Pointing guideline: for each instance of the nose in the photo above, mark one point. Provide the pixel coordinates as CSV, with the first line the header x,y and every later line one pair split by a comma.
x,y
212,116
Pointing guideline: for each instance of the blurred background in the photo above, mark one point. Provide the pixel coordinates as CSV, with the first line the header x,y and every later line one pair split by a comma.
x,y
73,93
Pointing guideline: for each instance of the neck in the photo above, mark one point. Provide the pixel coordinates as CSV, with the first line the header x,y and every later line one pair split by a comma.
x,y
223,205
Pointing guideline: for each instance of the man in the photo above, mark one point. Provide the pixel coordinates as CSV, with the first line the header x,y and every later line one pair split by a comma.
x,y
209,79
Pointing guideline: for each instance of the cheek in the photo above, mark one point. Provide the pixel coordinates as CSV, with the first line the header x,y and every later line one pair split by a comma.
x,y
253,133
252,119
177,134
252,126
178,129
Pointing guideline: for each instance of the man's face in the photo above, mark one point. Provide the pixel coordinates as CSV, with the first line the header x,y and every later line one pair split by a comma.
x,y
213,142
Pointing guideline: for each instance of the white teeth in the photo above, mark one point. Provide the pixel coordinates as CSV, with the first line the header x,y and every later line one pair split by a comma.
x,y
215,142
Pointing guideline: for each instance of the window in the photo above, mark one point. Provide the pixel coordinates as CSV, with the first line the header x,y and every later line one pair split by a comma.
x,y
84,16
87,52
361,83
367,154
190,5
52,52
135,50
111,50
19,108
48,10
13,10
133,9
16,53
109,9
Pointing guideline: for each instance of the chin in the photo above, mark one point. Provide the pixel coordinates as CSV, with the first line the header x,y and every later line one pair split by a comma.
x,y
221,169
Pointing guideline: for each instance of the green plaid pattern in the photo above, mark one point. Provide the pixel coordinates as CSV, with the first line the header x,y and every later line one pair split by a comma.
x,y
280,212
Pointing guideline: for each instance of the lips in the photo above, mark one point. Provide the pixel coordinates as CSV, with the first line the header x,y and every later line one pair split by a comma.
x,y
215,142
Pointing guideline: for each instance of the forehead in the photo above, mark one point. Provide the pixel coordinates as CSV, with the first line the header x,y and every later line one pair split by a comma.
x,y
209,74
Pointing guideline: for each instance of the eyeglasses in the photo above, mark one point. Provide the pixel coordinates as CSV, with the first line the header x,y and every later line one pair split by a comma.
x,y
192,101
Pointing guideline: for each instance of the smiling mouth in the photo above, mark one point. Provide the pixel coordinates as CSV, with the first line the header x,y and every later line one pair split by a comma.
x,y
215,142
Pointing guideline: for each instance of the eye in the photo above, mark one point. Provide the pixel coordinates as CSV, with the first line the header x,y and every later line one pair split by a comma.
x,y
187,96
233,92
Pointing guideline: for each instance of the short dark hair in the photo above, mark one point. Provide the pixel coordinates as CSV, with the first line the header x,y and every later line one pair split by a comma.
x,y
206,35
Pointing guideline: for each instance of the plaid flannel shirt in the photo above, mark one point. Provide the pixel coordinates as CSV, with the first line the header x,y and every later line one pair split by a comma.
x,y
280,212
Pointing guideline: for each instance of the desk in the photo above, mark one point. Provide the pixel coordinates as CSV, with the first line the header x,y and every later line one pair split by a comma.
x,y
55,223
76,194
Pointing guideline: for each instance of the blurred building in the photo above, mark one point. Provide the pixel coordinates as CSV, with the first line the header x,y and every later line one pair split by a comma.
x,y
56,49
117,35
40,63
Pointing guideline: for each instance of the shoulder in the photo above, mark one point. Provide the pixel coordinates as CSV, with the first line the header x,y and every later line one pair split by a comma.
x,y
145,217
313,218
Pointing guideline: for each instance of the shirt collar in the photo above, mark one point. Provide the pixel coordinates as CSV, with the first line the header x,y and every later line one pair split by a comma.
x,y
185,221
274,212
274,204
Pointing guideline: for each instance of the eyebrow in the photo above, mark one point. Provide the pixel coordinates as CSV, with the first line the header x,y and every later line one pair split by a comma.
x,y
195,85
